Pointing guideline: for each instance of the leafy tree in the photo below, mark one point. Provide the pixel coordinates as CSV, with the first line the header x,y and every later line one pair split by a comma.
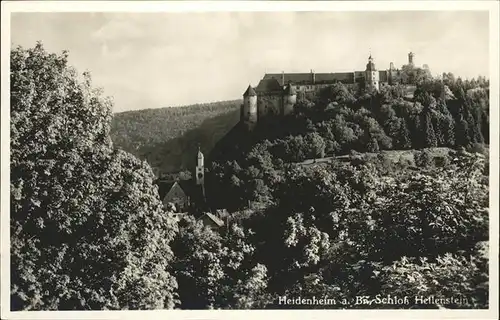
x,y
316,145
88,230
217,269
449,276
337,92
403,136
462,133
429,134
447,129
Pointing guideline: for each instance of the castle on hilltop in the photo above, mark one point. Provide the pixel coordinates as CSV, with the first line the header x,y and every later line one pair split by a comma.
x,y
277,93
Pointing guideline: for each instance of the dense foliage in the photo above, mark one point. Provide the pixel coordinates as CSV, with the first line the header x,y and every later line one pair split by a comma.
x,y
217,270
342,231
88,230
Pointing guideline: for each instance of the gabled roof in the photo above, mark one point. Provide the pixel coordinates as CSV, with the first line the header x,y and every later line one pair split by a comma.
x,y
250,92
215,219
164,187
268,85
173,187
189,187
196,192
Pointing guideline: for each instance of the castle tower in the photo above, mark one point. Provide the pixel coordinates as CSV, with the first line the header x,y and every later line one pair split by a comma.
x,y
200,170
371,75
313,77
289,99
392,74
249,112
411,55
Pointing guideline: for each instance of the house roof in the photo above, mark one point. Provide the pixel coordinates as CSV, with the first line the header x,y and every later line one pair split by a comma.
x,y
215,219
190,188
268,85
249,92
164,187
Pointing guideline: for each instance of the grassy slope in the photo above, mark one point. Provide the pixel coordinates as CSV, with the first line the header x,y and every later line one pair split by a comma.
x,y
168,138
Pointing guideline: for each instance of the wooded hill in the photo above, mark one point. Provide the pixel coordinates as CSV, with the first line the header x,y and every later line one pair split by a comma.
x,y
169,137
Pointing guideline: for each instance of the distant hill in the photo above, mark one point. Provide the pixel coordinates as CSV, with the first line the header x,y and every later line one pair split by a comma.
x,y
168,137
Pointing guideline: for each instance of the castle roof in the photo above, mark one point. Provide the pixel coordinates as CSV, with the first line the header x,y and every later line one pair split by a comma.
x,y
345,77
268,85
289,77
307,78
250,92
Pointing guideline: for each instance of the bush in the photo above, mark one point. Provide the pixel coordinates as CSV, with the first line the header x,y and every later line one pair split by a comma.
x,y
424,158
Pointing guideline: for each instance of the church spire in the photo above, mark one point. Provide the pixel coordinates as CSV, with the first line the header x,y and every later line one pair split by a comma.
x,y
200,170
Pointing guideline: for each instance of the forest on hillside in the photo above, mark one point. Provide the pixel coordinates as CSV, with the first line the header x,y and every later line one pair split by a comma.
x,y
169,137
90,232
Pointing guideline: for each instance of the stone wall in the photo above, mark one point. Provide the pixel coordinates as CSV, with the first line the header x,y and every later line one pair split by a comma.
x,y
269,104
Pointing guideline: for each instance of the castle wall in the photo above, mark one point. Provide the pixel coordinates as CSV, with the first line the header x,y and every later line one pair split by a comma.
x,y
269,104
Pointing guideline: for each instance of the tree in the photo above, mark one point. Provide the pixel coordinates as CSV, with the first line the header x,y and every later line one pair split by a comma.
x,y
316,145
462,133
404,141
216,269
88,230
429,134
447,128
338,92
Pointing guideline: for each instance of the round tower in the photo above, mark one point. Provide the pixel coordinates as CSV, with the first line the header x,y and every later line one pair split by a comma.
x,y
249,112
371,75
289,99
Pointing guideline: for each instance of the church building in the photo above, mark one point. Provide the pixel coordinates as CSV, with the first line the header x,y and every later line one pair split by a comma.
x,y
186,195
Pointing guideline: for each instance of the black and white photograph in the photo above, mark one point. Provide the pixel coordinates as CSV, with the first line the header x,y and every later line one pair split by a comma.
x,y
275,156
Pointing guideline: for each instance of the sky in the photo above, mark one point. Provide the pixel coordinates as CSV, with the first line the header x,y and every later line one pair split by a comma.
x,y
153,60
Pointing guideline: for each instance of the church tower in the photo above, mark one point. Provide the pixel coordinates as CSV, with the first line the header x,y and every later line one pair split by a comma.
x,y
200,170
371,75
